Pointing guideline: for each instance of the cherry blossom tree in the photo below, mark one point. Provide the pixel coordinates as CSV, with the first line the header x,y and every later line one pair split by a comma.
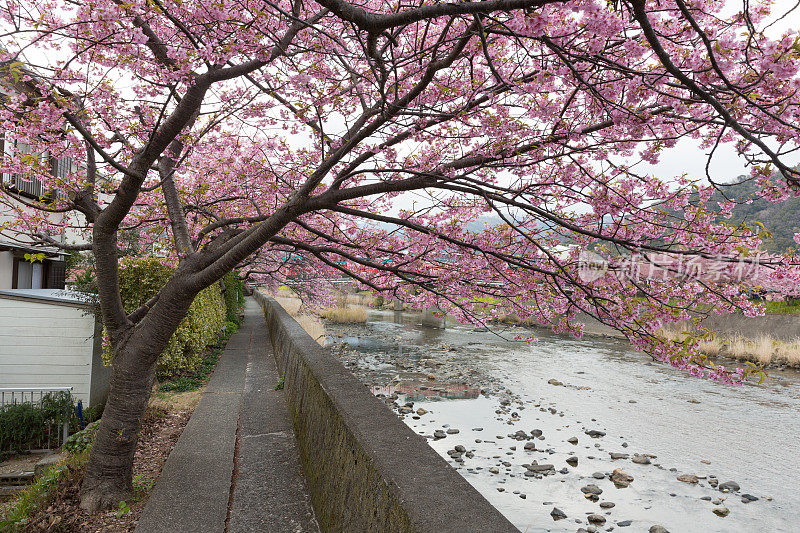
x,y
256,132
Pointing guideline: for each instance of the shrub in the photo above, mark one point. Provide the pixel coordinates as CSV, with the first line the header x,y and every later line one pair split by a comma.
x,y
83,439
24,426
140,279
189,381
233,293
201,327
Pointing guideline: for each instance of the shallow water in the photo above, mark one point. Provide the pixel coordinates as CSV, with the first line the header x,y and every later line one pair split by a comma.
x,y
749,434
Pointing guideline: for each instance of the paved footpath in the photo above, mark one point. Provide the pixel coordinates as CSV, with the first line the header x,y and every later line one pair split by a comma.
x,y
211,484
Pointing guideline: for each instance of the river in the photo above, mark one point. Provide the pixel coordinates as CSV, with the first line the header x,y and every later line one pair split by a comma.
x,y
489,388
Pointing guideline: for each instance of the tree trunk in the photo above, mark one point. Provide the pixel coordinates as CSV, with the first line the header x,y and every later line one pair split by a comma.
x,y
109,479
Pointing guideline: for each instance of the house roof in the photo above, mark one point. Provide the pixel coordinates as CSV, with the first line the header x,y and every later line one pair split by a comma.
x,y
55,296
49,251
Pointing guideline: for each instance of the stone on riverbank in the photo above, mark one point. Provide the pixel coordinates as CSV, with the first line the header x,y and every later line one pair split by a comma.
x,y
592,489
722,511
729,486
621,479
596,519
557,514
688,478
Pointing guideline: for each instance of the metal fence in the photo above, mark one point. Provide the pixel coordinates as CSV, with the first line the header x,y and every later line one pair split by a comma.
x,y
55,430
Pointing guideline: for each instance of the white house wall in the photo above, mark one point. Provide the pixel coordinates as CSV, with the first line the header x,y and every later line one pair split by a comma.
x,y
46,345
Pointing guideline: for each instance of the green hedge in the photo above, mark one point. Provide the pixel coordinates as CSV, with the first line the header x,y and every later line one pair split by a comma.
x,y
233,293
26,426
141,278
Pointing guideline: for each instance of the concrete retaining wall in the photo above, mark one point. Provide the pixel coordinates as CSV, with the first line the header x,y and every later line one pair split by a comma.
x,y
366,470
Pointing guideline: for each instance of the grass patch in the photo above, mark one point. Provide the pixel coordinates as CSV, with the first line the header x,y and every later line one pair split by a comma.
x,y
199,377
791,307
39,493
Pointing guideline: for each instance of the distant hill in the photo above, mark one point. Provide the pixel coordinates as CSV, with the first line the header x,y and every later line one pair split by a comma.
x,y
782,219
479,224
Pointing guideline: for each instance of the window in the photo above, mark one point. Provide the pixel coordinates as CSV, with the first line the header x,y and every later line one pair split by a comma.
x,y
28,275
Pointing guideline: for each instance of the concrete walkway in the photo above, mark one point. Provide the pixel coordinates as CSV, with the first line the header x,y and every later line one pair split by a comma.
x,y
236,467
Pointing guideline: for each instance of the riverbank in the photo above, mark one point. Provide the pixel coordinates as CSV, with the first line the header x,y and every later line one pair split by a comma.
x,y
515,425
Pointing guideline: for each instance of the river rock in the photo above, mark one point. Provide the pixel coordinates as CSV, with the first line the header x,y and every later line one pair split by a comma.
x,y
621,479
421,411
557,514
592,489
494,470
607,505
617,455
530,446
540,468
688,478
596,519
722,511
729,486
555,382
405,410
598,475
536,432
572,461
439,434
713,482
657,529
459,448
624,523
640,459
747,498
595,434
452,431
573,440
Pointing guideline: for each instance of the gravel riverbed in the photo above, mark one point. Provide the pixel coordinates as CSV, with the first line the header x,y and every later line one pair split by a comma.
x,y
570,435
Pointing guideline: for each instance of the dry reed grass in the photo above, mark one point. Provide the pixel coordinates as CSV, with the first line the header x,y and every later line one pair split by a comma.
x,y
292,304
346,315
764,349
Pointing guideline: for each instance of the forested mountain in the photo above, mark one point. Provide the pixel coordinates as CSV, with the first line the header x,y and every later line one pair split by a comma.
x,y
781,220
